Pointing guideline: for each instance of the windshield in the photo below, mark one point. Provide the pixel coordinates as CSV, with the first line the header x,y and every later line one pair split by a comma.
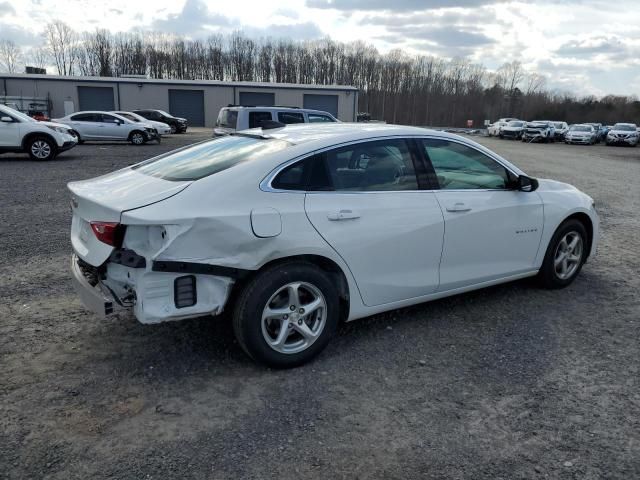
x,y
558,125
164,113
227,118
516,124
206,158
581,128
624,127
15,113
129,116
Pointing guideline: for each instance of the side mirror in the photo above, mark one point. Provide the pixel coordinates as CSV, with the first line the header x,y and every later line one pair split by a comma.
x,y
6,119
527,184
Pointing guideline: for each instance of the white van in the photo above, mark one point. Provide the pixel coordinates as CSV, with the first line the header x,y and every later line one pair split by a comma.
x,y
235,118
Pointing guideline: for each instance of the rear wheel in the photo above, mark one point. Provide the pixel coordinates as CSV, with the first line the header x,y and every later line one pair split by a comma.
x,y
565,255
41,148
287,314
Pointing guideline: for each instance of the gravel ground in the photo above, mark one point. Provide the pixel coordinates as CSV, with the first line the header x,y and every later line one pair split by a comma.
x,y
509,382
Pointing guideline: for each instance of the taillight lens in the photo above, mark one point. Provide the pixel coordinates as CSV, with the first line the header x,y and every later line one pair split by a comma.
x,y
110,233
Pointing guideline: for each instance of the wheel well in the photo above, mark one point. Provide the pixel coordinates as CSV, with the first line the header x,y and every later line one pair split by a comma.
x,y
325,264
588,225
29,136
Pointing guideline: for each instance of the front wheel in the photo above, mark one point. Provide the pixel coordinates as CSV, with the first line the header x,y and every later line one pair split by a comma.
x,y
41,148
565,255
137,138
287,314
173,128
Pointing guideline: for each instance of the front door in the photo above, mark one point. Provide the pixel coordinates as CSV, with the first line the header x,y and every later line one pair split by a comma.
x,y
491,229
376,218
9,132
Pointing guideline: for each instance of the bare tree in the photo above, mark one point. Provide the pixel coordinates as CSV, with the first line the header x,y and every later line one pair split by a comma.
x,y
61,41
10,55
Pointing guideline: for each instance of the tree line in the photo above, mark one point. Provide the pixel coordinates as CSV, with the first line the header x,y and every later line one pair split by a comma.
x,y
395,87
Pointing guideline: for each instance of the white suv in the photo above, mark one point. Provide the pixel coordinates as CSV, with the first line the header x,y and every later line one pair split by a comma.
x,y
236,118
41,140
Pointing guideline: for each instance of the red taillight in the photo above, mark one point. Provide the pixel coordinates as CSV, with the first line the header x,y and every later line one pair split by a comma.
x,y
110,233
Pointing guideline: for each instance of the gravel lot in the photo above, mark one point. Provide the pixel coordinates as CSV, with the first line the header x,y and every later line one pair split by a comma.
x,y
509,382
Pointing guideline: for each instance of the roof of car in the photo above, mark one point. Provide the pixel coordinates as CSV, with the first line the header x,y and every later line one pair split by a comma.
x,y
275,107
321,135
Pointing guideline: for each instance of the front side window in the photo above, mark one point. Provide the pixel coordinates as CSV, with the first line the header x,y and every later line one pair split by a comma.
x,y
109,119
256,118
459,167
290,117
316,118
206,158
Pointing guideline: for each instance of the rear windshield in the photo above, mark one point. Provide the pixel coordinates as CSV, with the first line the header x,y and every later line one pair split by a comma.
x,y
227,118
207,158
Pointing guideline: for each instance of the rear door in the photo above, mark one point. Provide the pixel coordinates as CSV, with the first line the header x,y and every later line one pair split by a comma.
x,y
377,218
491,230
87,125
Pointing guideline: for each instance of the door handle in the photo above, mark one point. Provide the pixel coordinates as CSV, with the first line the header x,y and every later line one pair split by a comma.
x,y
459,207
343,215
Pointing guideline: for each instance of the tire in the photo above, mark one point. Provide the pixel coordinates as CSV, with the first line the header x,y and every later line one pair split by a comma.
x,y
137,138
173,128
77,135
272,290
552,276
41,148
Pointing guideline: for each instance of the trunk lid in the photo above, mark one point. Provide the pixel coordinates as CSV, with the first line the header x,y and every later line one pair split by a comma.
x,y
103,199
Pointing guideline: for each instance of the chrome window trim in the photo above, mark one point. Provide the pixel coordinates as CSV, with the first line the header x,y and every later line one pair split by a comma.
x,y
265,184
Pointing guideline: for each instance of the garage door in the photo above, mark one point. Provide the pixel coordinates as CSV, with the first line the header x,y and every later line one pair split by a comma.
x,y
188,104
327,103
96,98
257,99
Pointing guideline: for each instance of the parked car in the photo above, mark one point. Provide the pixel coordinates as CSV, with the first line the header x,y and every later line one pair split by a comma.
x,y
161,128
623,134
601,131
581,133
236,118
513,130
279,219
539,131
561,129
19,133
107,126
495,128
177,124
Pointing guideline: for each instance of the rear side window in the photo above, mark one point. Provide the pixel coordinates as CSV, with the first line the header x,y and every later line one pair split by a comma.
x,y
85,117
227,118
290,117
316,118
309,174
256,118
206,158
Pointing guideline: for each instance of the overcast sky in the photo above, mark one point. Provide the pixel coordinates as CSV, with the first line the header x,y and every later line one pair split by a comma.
x,y
585,46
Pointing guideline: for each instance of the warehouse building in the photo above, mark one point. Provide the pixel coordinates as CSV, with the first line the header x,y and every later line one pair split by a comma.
x,y
199,101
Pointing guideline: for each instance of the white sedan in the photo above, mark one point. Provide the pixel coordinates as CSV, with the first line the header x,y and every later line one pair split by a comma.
x,y
295,229
161,128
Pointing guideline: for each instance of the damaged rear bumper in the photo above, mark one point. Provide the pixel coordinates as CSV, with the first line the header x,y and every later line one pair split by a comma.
x,y
153,296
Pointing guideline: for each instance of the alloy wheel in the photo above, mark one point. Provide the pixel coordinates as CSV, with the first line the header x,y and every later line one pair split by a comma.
x,y
568,255
294,317
41,149
137,138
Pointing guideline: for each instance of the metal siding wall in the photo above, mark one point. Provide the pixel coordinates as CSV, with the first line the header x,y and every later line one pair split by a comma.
x,y
188,104
258,99
95,98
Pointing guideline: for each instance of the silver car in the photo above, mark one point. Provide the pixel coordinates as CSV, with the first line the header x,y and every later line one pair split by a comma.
x,y
108,126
